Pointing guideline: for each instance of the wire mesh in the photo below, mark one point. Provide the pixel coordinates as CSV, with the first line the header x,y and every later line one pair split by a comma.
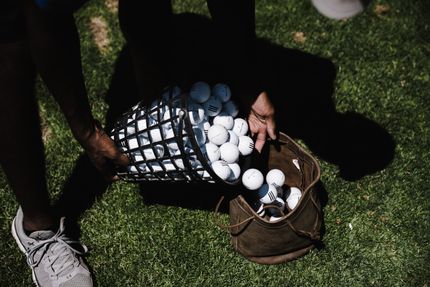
x,y
162,144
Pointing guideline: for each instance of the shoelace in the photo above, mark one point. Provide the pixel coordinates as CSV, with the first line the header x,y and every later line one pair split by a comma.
x,y
61,246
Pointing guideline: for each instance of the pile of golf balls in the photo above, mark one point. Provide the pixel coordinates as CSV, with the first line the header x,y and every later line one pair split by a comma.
x,y
270,190
153,139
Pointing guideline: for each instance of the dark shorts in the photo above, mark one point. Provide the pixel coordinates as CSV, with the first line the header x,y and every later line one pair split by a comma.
x,y
12,21
12,26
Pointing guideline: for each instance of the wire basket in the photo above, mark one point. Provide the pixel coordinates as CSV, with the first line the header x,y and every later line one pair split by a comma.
x,y
162,144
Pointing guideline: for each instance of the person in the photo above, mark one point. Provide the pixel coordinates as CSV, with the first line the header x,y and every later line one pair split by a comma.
x,y
41,37
33,40
148,27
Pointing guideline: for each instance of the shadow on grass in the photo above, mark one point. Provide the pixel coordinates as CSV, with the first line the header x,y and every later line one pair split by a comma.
x,y
301,88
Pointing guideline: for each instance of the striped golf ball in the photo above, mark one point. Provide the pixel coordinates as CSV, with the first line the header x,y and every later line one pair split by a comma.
x,y
267,193
212,106
222,92
246,145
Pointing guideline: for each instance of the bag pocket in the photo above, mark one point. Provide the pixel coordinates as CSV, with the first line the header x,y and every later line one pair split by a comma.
x,y
295,233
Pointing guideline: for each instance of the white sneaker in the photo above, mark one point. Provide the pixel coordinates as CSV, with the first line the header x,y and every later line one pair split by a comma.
x,y
340,9
55,259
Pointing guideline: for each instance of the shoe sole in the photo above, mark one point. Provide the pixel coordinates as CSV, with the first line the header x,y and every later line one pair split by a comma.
x,y
21,247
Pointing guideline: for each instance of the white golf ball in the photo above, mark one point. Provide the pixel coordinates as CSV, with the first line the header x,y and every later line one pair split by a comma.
x,y
172,115
235,171
156,111
221,168
137,156
199,135
274,218
221,92
267,193
217,134
200,92
142,167
258,207
229,152
293,197
206,175
136,168
130,131
141,124
157,152
233,138
212,106
212,152
240,127
197,167
171,141
133,143
169,134
205,125
168,165
143,139
224,120
275,177
156,167
196,113
230,108
252,179
246,145
178,161
156,134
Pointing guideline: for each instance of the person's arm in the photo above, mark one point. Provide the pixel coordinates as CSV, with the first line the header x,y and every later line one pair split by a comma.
x,y
55,48
235,25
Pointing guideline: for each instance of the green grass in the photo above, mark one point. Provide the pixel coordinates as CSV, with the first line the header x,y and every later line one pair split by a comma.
x,y
383,73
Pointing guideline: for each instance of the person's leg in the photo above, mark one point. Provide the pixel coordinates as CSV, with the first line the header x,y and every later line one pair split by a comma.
x,y
147,27
236,49
54,45
21,147
35,228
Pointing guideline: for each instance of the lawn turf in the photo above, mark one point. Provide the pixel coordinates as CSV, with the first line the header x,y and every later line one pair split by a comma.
x,y
377,227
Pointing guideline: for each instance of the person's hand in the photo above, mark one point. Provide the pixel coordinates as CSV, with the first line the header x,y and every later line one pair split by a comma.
x,y
261,120
103,152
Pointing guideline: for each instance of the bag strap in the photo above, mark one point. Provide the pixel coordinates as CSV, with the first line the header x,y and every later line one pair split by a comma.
x,y
223,226
313,235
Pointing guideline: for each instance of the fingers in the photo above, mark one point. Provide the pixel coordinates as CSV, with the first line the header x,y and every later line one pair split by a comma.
x,y
111,157
261,129
121,159
271,128
113,153
258,131
260,140
105,168
253,126
106,156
